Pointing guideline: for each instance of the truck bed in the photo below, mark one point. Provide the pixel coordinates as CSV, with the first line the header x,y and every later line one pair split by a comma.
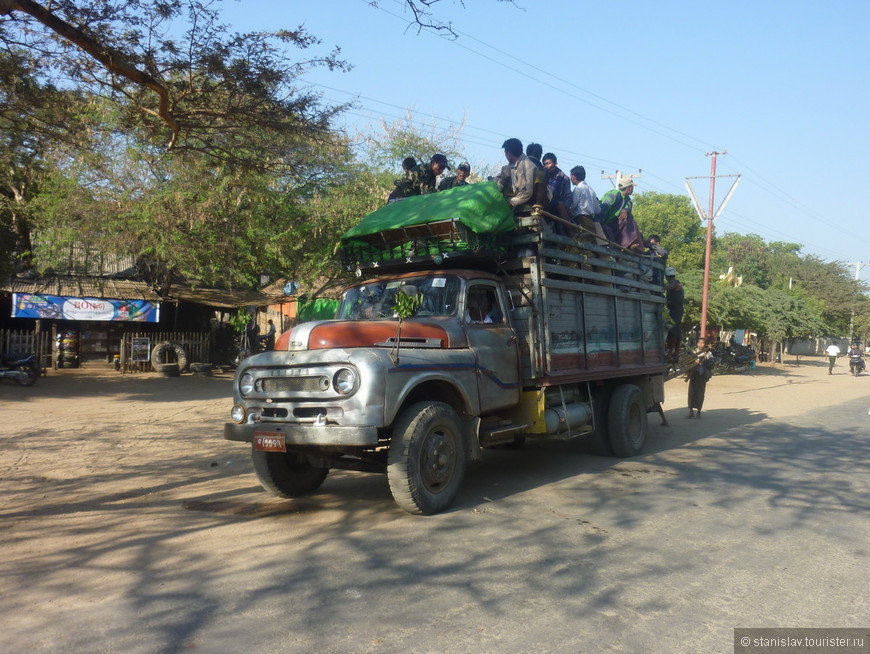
x,y
582,311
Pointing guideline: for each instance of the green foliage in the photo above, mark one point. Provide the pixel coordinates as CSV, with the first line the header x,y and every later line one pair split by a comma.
x,y
408,138
675,221
407,305
180,80
239,320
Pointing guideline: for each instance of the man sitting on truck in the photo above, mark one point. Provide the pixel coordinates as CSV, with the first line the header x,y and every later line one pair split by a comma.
x,y
421,179
616,216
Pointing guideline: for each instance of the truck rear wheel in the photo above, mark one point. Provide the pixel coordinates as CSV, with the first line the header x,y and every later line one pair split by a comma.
x,y
426,462
286,475
626,421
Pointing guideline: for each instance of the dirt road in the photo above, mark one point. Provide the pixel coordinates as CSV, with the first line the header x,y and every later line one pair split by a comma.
x,y
129,525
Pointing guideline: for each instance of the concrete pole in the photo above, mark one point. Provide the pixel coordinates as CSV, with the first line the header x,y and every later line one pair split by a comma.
x,y
709,247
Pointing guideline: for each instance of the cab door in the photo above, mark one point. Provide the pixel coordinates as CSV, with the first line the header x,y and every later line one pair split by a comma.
x,y
494,344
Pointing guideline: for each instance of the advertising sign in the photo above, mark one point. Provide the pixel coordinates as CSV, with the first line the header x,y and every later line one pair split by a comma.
x,y
141,349
26,305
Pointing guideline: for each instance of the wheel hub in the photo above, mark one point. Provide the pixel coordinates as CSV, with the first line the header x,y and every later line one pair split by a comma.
x,y
439,459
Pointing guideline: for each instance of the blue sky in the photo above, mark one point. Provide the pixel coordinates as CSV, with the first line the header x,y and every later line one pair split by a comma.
x,y
784,87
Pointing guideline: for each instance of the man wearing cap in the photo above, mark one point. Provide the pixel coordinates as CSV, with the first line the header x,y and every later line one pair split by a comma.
x,y
460,179
675,299
421,178
616,218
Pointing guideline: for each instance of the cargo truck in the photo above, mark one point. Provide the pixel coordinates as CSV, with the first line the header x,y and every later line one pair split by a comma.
x,y
469,328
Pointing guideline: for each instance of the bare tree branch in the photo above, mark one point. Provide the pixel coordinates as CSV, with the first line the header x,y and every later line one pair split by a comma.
x,y
112,59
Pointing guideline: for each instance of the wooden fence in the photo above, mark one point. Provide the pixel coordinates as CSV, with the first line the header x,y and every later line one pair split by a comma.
x,y
196,346
44,344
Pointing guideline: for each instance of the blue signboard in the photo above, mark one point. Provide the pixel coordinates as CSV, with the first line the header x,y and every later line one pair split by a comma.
x,y
26,305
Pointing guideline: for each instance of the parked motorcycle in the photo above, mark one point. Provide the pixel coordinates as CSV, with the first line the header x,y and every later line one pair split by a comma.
x,y
20,367
734,358
856,364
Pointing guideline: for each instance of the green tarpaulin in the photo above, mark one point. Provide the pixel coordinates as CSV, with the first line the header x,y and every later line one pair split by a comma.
x,y
319,309
480,207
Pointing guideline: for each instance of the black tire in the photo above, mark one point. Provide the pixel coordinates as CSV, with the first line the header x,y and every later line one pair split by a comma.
x,y
286,475
427,457
626,421
26,376
161,355
168,369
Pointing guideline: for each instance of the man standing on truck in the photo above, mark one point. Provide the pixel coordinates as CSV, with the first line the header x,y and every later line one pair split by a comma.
x,y
518,177
585,206
560,193
675,298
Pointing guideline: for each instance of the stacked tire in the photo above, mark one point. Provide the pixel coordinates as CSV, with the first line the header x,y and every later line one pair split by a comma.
x,y
169,359
67,349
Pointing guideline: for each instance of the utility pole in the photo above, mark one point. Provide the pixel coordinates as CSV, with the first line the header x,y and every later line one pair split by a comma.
x,y
710,217
619,175
858,266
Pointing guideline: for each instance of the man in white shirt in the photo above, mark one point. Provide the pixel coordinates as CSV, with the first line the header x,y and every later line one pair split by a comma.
x,y
833,352
584,205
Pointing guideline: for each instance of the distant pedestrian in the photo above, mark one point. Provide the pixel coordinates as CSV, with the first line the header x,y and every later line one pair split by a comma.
x,y
698,378
270,336
833,352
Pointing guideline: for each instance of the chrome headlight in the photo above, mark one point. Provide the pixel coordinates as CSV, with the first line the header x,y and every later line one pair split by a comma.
x,y
344,381
238,414
246,384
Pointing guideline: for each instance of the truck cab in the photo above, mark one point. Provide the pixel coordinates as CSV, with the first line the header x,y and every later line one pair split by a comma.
x,y
333,392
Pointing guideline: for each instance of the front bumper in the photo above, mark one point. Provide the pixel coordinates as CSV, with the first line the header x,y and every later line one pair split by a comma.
x,y
304,434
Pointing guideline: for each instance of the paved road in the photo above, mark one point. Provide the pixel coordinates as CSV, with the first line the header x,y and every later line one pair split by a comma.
x,y
157,538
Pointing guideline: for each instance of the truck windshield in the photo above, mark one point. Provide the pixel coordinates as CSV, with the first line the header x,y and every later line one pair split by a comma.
x,y
375,301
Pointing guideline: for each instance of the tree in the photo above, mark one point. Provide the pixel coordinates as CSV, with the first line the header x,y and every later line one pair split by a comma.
x,y
409,137
675,221
424,18
195,88
35,119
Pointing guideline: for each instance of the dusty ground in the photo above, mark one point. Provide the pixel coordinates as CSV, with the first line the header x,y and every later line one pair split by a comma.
x,y
128,524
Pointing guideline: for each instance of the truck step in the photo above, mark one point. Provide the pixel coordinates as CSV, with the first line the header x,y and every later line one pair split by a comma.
x,y
499,431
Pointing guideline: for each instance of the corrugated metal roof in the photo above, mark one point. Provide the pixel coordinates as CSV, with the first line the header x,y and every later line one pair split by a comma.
x,y
216,297
126,289
95,287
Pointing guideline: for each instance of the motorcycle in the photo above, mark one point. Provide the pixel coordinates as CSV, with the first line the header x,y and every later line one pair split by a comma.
x,y
856,364
20,367
734,358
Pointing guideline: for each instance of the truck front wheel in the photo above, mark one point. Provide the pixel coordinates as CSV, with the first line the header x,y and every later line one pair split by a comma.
x,y
426,462
626,421
286,475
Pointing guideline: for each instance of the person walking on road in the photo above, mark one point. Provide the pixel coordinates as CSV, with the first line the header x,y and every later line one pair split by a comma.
x,y
698,378
833,352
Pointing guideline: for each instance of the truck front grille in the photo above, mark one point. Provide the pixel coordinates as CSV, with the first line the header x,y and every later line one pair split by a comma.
x,y
315,384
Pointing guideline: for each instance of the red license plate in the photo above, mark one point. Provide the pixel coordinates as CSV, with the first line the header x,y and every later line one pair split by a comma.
x,y
269,441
